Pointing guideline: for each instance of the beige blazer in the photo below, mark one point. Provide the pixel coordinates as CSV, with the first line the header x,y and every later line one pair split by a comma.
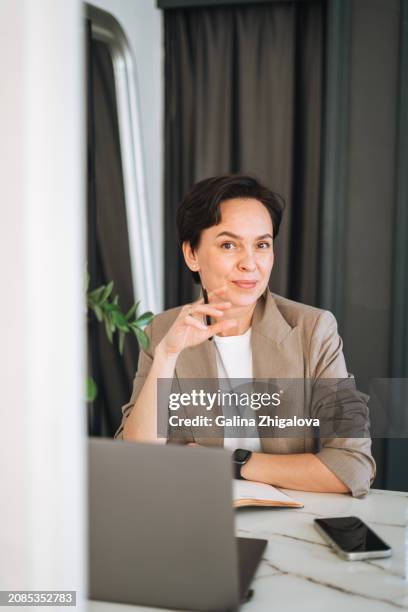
x,y
289,340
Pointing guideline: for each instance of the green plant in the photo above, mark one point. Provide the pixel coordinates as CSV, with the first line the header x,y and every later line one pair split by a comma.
x,y
107,310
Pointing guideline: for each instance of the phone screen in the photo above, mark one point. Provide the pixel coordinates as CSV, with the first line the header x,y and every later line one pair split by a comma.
x,y
351,534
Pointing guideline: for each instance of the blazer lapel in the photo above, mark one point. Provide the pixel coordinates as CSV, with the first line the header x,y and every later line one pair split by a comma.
x,y
276,354
276,346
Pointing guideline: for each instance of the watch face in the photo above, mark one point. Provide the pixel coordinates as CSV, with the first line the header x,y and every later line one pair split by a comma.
x,y
241,455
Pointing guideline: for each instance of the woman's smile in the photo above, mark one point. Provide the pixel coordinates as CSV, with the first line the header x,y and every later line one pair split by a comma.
x,y
244,284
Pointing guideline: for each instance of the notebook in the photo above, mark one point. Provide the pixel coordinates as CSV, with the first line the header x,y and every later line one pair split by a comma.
x,y
249,493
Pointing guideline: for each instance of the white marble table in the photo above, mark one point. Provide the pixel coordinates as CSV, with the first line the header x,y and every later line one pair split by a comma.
x,y
299,572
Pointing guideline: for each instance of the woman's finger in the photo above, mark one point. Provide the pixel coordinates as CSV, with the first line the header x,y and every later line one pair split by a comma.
x,y
193,322
206,309
221,326
211,330
219,305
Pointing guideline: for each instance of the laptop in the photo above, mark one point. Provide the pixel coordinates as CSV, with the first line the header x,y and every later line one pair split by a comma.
x,y
161,528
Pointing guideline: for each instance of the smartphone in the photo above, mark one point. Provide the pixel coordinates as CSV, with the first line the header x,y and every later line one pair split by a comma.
x,y
351,538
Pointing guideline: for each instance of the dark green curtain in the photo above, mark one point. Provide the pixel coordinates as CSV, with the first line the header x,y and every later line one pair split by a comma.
x,y
244,94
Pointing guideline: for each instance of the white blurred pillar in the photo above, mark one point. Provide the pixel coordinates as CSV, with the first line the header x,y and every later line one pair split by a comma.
x,y
42,342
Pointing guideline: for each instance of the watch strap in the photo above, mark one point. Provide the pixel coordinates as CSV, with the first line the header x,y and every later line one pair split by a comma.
x,y
240,457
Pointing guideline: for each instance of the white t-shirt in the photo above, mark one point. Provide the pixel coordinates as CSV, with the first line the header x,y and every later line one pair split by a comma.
x,y
234,360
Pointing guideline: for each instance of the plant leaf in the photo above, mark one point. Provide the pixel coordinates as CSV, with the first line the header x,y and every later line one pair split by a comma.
x,y
108,329
98,312
96,294
121,341
144,319
120,321
132,311
110,307
91,389
141,338
107,291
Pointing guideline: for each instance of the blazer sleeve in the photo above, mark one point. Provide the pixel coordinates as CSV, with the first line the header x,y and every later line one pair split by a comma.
x,y
143,368
349,458
176,434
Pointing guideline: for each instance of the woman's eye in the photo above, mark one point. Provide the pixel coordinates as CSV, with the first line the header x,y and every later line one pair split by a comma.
x,y
227,246
264,245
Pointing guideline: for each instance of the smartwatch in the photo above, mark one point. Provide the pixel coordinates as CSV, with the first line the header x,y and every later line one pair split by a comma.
x,y
240,457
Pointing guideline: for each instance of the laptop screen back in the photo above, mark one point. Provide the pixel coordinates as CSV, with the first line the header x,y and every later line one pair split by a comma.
x,y
161,526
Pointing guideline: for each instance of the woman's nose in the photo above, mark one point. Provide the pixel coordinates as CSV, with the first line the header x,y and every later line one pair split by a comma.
x,y
247,262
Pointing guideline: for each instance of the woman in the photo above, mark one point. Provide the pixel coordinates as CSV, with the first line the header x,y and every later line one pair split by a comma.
x,y
227,226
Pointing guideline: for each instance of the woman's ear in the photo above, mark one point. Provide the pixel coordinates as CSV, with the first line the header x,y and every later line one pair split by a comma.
x,y
190,256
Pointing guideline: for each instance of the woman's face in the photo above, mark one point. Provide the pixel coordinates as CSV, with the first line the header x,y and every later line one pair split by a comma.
x,y
237,252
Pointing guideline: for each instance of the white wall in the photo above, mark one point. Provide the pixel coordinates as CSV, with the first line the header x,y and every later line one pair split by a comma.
x,y
42,348
142,23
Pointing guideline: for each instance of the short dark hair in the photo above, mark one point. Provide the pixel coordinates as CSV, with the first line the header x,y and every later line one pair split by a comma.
x,y
200,208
